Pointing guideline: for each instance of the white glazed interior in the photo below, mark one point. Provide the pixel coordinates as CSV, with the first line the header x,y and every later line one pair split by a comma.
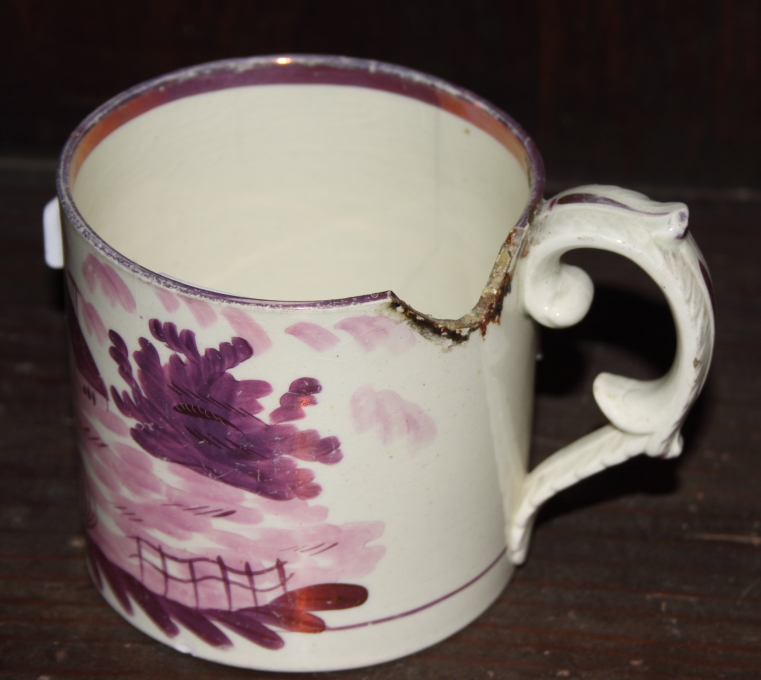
x,y
307,192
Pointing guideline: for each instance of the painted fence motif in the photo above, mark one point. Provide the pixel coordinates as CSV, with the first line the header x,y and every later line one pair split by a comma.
x,y
196,571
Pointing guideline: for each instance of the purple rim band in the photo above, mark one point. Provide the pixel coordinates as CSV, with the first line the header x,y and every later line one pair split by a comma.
x,y
278,69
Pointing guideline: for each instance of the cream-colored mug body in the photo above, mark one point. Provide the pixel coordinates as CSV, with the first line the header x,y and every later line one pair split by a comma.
x,y
282,468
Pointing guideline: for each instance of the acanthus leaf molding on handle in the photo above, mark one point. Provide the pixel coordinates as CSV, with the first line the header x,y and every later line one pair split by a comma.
x,y
645,416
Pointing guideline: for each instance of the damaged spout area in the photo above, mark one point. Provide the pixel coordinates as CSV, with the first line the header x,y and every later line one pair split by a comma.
x,y
487,310
388,180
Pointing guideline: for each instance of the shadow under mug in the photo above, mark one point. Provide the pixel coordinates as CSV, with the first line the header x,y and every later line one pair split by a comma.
x,y
286,465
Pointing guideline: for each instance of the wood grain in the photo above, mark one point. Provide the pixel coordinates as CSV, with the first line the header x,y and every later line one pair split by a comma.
x,y
651,91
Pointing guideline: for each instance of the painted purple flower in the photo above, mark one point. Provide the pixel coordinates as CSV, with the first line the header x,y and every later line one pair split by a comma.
x,y
193,412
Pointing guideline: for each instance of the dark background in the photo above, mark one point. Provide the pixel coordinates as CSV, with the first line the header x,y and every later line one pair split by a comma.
x,y
644,92
648,570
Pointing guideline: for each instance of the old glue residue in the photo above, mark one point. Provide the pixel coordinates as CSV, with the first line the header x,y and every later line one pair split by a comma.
x,y
488,310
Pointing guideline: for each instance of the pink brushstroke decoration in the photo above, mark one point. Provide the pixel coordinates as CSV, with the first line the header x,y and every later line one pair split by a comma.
x,y
202,311
248,329
167,504
99,273
313,335
372,332
94,324
95,409
392,417
169,301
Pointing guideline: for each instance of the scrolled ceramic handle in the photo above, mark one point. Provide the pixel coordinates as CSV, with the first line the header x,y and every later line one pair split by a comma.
x,y
645,416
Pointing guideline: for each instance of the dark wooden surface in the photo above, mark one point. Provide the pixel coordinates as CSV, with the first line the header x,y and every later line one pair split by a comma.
x,y
651,569
646,91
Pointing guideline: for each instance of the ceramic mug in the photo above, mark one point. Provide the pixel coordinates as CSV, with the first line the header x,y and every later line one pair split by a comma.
x,y
286,465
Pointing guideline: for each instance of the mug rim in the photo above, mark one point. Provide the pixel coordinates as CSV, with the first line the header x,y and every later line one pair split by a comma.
x,y
410,82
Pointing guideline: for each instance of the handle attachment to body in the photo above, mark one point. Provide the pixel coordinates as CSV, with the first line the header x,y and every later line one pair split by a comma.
x,y
645,416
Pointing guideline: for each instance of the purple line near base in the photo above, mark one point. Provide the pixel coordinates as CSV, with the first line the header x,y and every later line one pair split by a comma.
x,y
424,606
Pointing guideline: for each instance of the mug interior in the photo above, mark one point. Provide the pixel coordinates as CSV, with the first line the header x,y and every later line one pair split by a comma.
x,y
296,180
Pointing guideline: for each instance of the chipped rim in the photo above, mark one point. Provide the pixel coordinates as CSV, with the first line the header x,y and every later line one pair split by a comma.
x,y
305,69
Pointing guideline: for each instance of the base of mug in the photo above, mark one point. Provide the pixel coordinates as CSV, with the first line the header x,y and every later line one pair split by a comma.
x,y
342,647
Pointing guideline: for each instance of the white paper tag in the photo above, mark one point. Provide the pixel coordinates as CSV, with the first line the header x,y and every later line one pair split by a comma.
x,y
51,228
